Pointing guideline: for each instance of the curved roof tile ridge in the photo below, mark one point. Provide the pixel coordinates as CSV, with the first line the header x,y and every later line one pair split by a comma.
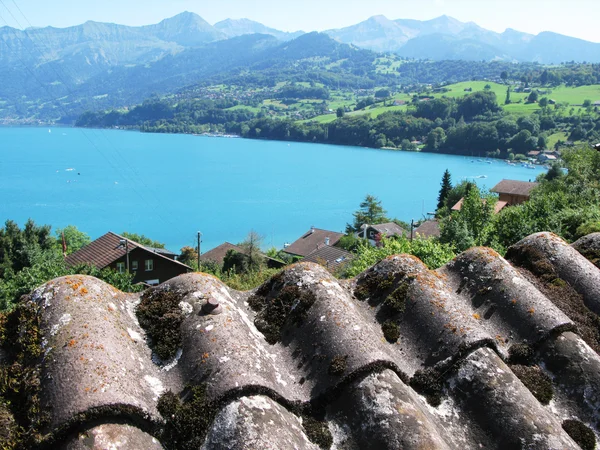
x,y
395,358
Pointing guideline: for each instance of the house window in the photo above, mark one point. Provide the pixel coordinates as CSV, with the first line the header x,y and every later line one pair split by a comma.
x,y
149,265
134,265
121,267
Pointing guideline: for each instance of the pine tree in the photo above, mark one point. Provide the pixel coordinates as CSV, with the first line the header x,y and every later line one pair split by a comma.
x,y
445,189
507,101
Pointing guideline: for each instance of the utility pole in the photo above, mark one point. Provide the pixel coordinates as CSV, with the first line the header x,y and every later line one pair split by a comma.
x,y
199,253
412,226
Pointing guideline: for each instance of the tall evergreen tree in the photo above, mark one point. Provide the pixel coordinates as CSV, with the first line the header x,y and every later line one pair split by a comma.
x,y
371,212
445,189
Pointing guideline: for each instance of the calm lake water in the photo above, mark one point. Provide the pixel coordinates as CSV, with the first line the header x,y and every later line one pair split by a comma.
x,y
170,186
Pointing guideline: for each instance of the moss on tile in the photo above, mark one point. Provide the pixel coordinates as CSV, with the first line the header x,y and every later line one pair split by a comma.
x,y
391,331
429,383
290,304
317,432
20,382
580,433
160,316
187,422
538,383
522,354
338,365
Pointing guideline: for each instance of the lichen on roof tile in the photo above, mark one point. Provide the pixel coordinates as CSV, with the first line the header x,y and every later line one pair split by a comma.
x,y
399,357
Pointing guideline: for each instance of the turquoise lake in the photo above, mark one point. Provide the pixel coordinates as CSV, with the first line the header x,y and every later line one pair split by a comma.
x,y
168,187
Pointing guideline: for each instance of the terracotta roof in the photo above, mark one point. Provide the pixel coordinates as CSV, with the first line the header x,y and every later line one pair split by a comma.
x,y
430,228
330,257
481,353
311,241
107,249
218,253
514,187
500,204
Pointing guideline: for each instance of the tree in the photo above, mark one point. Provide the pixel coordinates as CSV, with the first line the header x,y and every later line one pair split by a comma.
x,y
19,247
141,239
251,247
189,256
340,112
73,238
543,102
533,97
445,189
507,101
235,262
371,212
472,224
382,93
504,75
436,138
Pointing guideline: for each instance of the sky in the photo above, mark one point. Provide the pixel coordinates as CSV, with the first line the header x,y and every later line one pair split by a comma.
x,y
578,18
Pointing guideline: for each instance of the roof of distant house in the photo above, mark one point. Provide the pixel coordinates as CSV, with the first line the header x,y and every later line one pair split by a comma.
x,y
330,257
312,240
107,249
514,187
389,229
218,253
162,251
497,208
484,352
429,228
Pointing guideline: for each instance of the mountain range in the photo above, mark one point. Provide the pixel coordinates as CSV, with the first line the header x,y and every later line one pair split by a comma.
x,y
448,38
97,65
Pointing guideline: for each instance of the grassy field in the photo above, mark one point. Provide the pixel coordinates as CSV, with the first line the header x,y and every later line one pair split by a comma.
x,y
576,96
247,108
554,138
458,90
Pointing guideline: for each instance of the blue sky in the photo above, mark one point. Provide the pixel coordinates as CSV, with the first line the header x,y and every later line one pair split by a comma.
x,y
577,18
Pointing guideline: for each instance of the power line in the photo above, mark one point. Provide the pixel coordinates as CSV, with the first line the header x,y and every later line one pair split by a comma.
x,y
59,106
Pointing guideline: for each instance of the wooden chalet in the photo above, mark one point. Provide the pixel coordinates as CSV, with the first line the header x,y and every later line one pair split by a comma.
x,y
148,265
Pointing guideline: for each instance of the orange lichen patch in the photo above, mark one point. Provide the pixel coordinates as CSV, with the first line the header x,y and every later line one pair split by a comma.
x,y
83,291
205,357
72,343
531,311
476,316
110,308
500,339
514,301
451,327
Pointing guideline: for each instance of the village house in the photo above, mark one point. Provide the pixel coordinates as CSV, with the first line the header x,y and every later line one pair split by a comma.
x,y
217,255
148,265
388,230
514,192
510,192
546,157
497,208
332,258
428,229
312,240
